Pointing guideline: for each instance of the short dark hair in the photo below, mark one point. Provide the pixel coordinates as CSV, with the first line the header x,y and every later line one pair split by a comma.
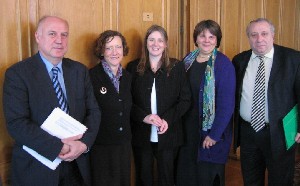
x,y
106,37
212,26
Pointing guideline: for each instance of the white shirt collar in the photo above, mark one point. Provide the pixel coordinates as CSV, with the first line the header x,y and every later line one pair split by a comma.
x,y
268,55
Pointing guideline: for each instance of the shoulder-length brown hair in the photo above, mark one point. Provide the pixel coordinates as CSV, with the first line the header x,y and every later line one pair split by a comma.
x,y
106,37
164,61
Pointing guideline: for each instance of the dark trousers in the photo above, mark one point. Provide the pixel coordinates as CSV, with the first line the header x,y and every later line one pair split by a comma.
x,y
256,157
211,174
69,174
187,173
144,163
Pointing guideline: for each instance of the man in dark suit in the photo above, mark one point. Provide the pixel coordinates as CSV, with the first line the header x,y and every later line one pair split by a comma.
x,y
29,97
259,130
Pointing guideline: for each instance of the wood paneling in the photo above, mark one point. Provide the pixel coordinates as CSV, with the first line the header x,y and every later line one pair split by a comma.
x,y
274,13
172,24
11,51
288,23
132,27
230,27
88,18
131,24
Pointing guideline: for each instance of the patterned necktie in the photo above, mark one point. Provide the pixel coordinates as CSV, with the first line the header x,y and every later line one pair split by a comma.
x,y
59,92
258,105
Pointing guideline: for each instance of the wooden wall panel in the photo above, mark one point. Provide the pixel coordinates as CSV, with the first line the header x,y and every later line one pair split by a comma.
x,y
274,13
185,26
288,24
173,26
88,18
131,24
12,50
157,8
231,30
13,32
23,28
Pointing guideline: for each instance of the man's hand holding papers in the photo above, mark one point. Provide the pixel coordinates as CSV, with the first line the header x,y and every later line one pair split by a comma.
x,y
69,130
72,148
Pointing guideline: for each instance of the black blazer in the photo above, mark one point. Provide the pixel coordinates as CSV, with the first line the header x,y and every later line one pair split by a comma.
x,y
115,107
283,92
28,99
173,100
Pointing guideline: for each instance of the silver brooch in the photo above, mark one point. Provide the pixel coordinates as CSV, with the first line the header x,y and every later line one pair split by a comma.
x,y
103,90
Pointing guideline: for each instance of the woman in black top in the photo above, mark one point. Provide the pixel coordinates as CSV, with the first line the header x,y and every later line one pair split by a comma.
x,y
110,155
161,95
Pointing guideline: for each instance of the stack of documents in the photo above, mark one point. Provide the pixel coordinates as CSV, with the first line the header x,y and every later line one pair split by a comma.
x,y
61,125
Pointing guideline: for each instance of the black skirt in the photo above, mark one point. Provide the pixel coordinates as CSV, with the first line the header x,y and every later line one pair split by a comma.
x,y
110,164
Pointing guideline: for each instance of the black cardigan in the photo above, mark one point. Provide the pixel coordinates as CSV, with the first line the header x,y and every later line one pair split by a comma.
x,y
115,108
173,100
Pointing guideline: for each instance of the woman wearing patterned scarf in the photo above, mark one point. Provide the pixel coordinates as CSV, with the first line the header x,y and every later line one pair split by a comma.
x,y
207,127
110,155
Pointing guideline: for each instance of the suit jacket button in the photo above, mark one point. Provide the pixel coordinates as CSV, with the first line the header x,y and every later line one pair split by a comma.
x,y
121,114
121,128
120,100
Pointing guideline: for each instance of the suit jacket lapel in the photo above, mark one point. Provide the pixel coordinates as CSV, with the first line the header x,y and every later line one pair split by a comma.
x,y
243,66
276,66
123,84
245,62
40,74
70,79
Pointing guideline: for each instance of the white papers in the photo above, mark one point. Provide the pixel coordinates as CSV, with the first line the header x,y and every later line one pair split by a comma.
x,y
61,125
51,164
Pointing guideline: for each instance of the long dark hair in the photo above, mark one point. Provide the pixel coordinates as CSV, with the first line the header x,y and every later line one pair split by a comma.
x,y
164,61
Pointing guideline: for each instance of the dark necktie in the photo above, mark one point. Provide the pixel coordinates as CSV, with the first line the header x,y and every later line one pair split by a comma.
x,y
59,92
258,105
